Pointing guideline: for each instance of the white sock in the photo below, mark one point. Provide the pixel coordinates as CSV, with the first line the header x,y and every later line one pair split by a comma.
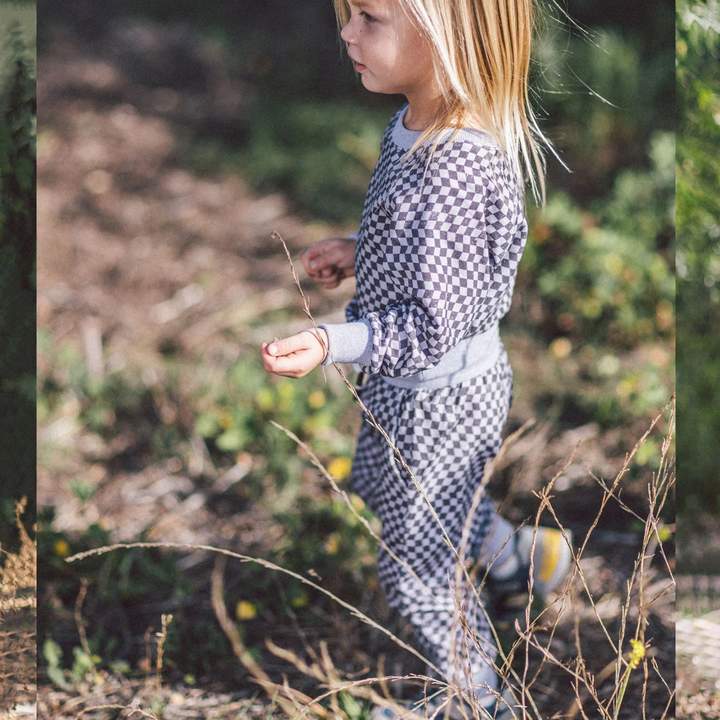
x,y
497,549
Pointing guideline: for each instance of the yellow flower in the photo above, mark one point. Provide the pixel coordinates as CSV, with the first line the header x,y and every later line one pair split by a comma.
x,y
332,544
340,467
62,549
637,654
265,398
245,610
286,393
560,348
625,387
316,400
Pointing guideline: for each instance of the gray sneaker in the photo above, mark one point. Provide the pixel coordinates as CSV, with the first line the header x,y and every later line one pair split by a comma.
x,y
552,560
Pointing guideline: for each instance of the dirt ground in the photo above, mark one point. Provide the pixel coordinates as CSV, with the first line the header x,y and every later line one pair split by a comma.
x,y
136,251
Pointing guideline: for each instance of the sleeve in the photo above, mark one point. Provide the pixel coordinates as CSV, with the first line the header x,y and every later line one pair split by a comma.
x,y
444,248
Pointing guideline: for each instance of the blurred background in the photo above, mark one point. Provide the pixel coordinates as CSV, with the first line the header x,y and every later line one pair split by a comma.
x,y
17,262
698,305
698,247
174,138
17,356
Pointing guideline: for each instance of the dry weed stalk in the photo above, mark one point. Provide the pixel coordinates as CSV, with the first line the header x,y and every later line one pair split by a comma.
x,y
467,589
161,636
18,571
367,414
658,490
17,619
584,684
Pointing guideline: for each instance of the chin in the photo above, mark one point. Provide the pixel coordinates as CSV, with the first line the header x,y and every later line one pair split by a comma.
x,y
372,86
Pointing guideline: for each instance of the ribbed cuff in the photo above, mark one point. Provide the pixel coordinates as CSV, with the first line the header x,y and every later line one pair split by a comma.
x,y
349,342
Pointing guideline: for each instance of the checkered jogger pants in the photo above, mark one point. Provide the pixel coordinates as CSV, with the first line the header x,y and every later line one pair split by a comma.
x,y
445,436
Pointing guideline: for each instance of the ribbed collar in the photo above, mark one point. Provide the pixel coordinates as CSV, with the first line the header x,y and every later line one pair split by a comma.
x,y
405,138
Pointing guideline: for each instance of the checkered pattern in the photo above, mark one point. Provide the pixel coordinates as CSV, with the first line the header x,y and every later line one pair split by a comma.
x,y
445,437
436,260
437,251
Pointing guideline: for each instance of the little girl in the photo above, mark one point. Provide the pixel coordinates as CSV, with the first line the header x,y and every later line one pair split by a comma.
x,y
435,260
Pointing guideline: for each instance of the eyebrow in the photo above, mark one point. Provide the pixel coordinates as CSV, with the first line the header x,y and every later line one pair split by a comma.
x,y
372,7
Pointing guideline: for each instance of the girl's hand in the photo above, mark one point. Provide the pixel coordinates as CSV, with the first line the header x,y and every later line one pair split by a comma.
x,y
330,261
296,355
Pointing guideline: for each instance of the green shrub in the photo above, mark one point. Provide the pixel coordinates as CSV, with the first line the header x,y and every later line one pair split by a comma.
x,y
698,252
17,275
602,275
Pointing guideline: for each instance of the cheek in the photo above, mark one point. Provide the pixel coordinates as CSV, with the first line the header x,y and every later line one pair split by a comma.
x,y
418,50
413,54
380,50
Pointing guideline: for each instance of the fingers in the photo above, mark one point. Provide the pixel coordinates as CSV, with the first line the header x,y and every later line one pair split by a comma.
x,y
292,344
285,365
314,258
330,277
331,254
294,356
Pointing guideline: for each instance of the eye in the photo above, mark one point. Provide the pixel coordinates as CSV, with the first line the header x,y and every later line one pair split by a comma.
x,y
367,17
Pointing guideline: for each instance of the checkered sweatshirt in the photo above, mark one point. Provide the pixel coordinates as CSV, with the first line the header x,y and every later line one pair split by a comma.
x,y
437,253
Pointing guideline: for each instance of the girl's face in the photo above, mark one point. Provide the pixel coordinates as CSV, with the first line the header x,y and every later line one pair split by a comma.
x,y
387,49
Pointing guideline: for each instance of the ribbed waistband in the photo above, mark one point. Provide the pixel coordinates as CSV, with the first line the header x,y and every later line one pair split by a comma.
x,y
471,357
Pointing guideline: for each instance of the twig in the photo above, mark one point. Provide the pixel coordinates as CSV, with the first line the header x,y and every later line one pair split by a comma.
x,y
165,620
78,618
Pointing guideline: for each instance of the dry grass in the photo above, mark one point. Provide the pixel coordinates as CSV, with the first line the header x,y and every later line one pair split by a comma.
x,y
552,660
17,625
532,652
558,647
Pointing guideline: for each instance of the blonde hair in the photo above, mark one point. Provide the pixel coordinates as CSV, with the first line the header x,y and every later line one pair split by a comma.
x,y
481,53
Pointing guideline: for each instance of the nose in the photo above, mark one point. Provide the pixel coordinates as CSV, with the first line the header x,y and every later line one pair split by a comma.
x,y
347,33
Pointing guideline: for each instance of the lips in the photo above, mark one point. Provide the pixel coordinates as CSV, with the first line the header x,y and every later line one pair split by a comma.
x,y
359,67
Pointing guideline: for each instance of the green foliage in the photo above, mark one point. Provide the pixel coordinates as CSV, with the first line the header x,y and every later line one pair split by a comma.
x,y
605,95
17,276
320,154
601,275
698,253
232,414
17,157
52,654
119,584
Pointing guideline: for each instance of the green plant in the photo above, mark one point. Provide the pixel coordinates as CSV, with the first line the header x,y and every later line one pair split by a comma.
x,y
319,154
17,271
698,252
602,276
